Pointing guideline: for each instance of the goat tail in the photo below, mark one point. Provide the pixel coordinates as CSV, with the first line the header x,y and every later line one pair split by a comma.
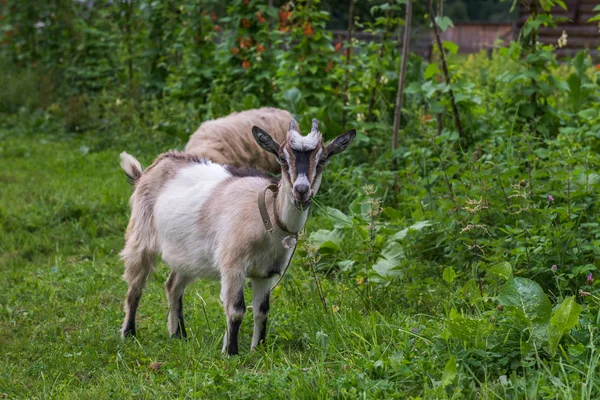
x,y
132,167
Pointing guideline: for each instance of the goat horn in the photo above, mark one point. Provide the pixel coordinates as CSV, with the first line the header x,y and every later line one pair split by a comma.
x,y
293,125
315,125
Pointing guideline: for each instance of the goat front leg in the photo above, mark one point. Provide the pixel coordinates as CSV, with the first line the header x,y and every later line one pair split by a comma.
x,y
175,287
232,295
261,290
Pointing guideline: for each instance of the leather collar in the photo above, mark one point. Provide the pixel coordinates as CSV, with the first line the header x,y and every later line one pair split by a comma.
x,y
262,208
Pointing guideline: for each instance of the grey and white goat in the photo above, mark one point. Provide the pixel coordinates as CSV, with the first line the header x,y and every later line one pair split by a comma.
x,y
204,219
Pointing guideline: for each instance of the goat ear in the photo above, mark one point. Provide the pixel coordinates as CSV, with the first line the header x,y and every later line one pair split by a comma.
x,y
265,141
340,143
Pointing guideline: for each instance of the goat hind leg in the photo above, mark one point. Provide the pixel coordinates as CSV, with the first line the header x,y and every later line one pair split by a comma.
x,y
138,266
175,288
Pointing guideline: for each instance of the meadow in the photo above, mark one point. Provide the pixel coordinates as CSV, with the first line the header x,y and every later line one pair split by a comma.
x,y
462,262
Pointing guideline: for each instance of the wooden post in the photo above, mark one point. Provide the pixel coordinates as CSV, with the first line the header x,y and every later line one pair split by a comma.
x,y
381,53
402,75
348,55
446,73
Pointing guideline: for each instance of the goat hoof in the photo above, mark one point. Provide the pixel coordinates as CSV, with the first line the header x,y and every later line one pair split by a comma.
x,y
179,336
129,333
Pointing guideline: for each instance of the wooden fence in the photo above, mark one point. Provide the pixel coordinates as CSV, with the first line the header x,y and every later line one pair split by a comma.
x,y
580,33
472,37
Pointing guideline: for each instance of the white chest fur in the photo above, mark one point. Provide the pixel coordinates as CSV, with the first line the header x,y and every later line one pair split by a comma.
x,y
177,208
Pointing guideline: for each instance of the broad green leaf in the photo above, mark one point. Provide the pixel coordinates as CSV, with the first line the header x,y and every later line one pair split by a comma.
x,y
386,268
561,4
326,239
470,330
416,227
588,113
322,339
527,296
449,373
574,83
431,70
338,218
565,317
414,87
449,274
502,270
394,215
541,152
292,98
346,265
390,259
558,84
359,208
444,23
393,251
250,101
450,46
594,19
451,170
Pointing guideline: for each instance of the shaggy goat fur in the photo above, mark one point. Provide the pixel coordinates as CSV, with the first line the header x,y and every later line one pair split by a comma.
x,y
228,140
203,218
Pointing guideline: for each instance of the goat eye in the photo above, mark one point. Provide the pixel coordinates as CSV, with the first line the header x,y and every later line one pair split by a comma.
x,y
322,162
282,160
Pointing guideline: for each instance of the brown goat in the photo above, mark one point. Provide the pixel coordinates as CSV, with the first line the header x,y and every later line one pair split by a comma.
x,y
228,140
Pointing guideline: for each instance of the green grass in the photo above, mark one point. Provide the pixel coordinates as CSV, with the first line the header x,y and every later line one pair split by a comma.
x,y
63,212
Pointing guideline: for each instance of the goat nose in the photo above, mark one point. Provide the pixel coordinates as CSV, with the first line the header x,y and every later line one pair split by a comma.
x,y
301,189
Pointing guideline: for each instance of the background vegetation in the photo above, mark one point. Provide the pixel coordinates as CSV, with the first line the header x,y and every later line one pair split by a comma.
x,y
461,264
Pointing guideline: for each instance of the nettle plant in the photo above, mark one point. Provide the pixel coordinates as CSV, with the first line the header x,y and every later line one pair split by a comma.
x,y
523,324
371,245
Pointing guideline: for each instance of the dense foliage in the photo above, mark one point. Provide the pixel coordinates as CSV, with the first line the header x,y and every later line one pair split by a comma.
x,y
455,266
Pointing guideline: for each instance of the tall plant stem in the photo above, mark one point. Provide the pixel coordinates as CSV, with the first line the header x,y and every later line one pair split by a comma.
x,y
318,285
348,57
402,76
270,22
440,117
436,31
128,12
569,195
